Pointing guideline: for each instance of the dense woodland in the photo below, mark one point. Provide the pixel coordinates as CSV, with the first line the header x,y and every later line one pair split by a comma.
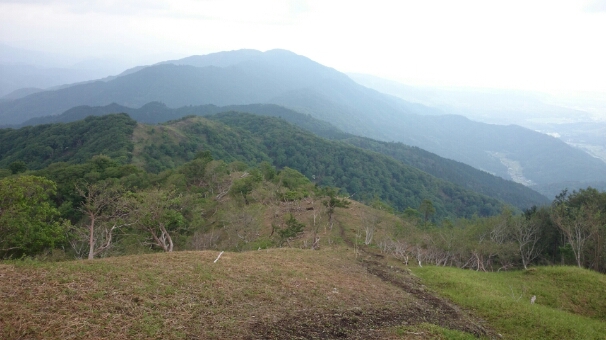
x,y
458,173
252,139
242,182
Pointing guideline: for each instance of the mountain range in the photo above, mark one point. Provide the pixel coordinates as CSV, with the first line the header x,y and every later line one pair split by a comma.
x,y
458,173
242,77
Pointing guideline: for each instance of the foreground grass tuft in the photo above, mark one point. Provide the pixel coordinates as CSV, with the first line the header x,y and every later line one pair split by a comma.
x,y
570,302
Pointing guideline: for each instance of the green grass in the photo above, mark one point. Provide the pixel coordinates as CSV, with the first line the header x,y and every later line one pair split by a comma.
x,y
570,303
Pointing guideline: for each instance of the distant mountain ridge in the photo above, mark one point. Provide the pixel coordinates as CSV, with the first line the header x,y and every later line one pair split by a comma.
x,y
461,174
284,78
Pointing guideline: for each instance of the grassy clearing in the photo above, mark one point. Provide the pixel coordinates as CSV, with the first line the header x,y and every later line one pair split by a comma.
x,y
570,302
147,135
185,295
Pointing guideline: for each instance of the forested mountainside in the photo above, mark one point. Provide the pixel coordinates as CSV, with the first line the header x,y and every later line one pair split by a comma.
x,y
191,164
284,78
253,139
444,169
458,173
76,142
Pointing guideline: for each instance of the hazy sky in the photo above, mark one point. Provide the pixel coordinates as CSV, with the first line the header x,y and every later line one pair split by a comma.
x,y
553,46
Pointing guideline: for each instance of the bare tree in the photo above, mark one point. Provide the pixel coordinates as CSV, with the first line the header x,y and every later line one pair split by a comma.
x,y
526,235
397,248
104,214
316,217
370,220
205,240
157,212
578,226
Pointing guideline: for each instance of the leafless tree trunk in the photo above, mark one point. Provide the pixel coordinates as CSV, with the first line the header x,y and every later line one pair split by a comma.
x,y
154,212
100,206
370,220
162,238
202,241
526,235
243,223
316,228
578,225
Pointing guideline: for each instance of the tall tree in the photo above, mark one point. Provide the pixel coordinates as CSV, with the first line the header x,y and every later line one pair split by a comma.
x,y
157,212
578,224
29,222
427,210
526,233
104,214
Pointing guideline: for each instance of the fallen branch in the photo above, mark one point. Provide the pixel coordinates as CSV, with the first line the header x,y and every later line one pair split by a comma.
x,y
221,253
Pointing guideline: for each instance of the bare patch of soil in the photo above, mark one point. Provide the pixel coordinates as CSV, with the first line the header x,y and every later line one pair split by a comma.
x,y
373,323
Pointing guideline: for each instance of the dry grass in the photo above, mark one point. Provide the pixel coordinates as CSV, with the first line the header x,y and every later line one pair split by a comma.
x,y
340,291
186,295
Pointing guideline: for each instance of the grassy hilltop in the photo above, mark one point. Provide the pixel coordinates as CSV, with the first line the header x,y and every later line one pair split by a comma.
x,y
277,293
343,290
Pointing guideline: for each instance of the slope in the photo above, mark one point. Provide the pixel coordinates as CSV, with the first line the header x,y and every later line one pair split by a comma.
x,y
270,294
361,173
76,142
251,139
510,152
458,173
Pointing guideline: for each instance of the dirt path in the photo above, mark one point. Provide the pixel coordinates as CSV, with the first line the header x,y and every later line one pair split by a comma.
x,y
372,324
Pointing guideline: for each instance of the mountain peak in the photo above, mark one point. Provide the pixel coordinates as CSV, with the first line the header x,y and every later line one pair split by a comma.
x,y
218,59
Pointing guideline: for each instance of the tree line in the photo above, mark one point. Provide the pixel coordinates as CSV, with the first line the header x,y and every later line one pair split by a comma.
x,y
105,208
570,231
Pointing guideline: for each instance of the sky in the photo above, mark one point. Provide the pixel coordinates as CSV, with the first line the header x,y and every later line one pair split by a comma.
x,y
548,46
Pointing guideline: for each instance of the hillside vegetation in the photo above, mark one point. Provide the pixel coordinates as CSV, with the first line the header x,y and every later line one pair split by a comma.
x,y
193,165
76,142
293,81
458,173
361,173
250,139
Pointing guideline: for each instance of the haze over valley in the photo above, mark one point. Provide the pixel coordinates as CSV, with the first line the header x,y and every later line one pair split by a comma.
x,y
578,120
